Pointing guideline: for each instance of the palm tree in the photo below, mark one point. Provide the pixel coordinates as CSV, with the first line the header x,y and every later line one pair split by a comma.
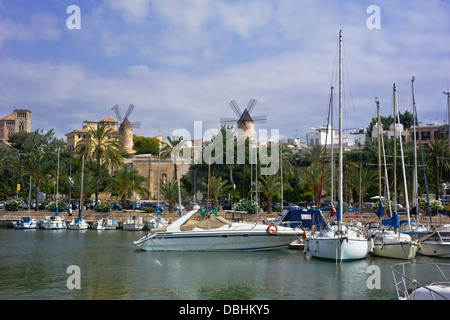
x,y
38,169
312,177
270,185
168,151
217,188
102,144
128,179
363,181
10,160
437,159
169,190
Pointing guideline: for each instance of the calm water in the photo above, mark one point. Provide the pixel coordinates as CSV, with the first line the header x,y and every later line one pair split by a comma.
x,y
33,265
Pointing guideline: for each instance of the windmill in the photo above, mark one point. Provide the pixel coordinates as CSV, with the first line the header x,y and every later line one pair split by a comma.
x,y
245,122
126,127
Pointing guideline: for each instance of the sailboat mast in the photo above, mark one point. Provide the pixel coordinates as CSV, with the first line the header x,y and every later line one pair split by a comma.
x,y
404,173
332,159
379,154
395,155
340,194
415,191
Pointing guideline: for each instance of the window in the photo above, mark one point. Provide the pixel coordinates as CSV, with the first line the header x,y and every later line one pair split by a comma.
x,y
425,135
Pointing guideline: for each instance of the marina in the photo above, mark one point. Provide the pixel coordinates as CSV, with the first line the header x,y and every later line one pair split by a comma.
x,y
34,264
155,202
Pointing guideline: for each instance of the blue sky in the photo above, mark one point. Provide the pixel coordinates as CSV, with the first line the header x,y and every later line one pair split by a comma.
x,y
184,61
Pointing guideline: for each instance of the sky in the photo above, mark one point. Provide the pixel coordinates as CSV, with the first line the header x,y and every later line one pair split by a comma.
x,y
181,62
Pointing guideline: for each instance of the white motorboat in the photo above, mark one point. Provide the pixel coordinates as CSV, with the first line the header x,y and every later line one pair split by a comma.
x,y
390,244
217,234
412,282
435,245
106,224
53,223
78,224
134,223
339,243
26,223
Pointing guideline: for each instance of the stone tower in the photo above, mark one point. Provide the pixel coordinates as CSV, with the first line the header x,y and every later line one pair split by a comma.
x,y
19,120
126,132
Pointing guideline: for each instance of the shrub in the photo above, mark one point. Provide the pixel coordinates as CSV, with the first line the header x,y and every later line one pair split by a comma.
x,y
103,207
62,204
14,204
149,209
247,205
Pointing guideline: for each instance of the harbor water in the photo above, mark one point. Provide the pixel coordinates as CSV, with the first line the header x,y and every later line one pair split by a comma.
x,y
36,264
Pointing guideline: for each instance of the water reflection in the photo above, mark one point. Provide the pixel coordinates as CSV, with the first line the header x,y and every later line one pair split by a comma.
x,y
33,266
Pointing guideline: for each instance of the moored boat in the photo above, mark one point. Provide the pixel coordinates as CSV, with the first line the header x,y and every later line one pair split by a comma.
x,y
26,223
217,234
78,224
133,223
53,223
105,224
435,245
412,282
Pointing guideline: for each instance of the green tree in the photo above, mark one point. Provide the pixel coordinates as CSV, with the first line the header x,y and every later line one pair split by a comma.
x,y
127,179
170,149
270,185
437,157
102,144
169,190
144,145
38,169
217,188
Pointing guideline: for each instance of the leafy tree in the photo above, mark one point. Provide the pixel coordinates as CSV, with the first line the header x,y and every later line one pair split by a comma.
x,y
217,188
102,144
144,145
174,143
169,190
127,179
38,169
270,185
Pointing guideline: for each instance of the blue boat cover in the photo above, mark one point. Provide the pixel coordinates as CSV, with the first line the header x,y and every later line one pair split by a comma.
x,y
392,222
380,209
25,219
303,218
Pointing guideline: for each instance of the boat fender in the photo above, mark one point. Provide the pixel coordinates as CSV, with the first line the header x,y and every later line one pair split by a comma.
x,y
313,229
272,229
306,247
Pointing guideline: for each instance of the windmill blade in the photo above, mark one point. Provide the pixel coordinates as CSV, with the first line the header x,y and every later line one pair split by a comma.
x,y
117,111
259,119
228,120
234,106
136,125
251,105
129,111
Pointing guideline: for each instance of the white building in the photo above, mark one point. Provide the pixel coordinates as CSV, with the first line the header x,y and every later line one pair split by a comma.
x,y
349,141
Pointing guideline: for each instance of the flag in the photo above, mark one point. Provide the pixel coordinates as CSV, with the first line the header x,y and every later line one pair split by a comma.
x,y
380,209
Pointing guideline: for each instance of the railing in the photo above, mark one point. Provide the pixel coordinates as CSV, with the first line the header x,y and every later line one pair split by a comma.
x,y
406,287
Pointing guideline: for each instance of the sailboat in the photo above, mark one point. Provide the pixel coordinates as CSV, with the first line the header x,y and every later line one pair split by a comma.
x,y
54,222
387,242
339,242
79,223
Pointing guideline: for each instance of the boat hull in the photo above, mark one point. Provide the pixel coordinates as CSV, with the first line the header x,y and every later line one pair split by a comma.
x,y
335,249
434,249
216,241
399,250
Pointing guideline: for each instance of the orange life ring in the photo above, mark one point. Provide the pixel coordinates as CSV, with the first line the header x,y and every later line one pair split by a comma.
x,y
270,230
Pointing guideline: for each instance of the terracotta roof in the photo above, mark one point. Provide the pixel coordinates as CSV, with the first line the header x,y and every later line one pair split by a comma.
x,y
9,117
108,119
